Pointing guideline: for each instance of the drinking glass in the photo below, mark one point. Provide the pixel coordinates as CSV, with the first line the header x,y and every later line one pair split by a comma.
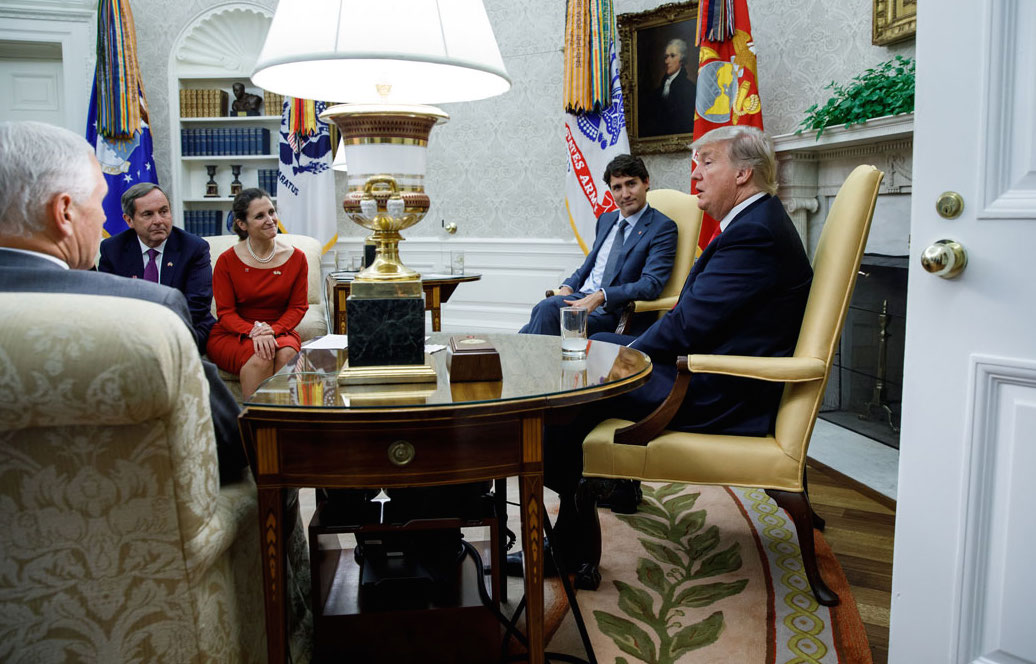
x,y
457,262
573,331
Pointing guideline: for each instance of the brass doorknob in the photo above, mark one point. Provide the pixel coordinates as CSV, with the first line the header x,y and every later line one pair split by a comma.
x,y
945,258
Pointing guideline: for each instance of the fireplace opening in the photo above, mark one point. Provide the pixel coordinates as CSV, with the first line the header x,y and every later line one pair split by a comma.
x,y
865,390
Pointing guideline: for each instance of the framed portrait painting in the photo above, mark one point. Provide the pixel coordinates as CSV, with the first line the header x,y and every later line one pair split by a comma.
x,y
659,74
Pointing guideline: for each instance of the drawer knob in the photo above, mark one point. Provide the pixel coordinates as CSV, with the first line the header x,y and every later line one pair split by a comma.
x,y
401,452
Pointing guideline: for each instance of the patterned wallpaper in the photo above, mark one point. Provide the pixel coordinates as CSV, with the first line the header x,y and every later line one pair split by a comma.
x,y
497,167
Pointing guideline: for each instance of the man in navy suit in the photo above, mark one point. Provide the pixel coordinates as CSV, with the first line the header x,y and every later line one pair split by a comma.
x,y
745,295
613,274
155,250
51,189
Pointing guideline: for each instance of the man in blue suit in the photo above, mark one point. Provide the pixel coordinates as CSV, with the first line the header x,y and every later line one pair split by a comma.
x,y
634,267
745,295
154,250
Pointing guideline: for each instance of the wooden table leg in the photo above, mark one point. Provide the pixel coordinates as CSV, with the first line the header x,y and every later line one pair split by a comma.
x,y
436,307
531,490
271,506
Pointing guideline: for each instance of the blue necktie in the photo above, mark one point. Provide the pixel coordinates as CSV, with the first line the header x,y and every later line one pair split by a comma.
x,y
611,267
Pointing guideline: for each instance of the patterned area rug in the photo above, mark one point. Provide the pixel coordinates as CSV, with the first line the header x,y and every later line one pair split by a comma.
x,y
714,574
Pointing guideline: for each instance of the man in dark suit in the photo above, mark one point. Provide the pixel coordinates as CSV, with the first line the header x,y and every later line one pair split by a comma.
x,y
51,190
154,250
673,99
745,295
631,259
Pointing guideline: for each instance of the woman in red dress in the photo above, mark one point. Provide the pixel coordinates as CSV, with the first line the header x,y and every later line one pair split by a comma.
x,y
260,286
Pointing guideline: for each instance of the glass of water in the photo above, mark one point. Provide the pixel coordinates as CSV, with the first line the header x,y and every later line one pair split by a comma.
x,y
573,331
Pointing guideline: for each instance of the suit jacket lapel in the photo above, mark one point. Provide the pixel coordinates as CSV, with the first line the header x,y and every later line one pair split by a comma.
x,y
170,260
638,233
601,234
132,256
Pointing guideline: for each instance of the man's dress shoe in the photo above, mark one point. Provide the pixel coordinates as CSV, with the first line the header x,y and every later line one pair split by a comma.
x,y
624,497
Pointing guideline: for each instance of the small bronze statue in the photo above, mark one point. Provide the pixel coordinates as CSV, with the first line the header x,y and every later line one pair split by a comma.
x,y
245,103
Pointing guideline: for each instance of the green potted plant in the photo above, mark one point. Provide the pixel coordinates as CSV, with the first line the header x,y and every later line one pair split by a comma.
x,y
886,89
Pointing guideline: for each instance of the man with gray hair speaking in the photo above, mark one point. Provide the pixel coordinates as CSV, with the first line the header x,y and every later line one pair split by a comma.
x,y
51,190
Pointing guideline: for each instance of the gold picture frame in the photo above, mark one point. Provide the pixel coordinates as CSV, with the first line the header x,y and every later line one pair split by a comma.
x,y
894,21
654,125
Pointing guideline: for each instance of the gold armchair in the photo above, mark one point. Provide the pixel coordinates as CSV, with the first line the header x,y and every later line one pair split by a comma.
x,y
683,209
777,462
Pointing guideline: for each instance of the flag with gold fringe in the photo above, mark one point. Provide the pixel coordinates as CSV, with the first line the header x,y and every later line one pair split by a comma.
x,y
595,124
117,122
306,183
728,87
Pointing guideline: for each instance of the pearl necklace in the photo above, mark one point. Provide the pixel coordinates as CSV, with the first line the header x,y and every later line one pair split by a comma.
x,y
248,243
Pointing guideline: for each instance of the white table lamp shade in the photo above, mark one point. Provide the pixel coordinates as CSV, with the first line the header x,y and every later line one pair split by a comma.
x,y
428,51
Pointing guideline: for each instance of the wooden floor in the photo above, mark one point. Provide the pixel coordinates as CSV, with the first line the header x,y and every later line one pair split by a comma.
x,y
860,530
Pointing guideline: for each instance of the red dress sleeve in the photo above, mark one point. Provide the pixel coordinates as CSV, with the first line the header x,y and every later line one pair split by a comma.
x,y
298,301
226,299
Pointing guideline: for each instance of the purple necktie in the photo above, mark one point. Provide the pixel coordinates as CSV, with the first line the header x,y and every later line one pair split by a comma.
x,y
151,269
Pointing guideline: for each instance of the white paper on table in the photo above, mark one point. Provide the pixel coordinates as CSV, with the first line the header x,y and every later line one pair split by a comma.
x,y
329,342
433,348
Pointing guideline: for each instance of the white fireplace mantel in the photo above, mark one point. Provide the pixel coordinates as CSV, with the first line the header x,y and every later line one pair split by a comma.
x,y
811,170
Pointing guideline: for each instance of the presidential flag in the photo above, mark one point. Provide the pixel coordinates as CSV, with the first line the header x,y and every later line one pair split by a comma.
x,y
117,123
595,124
728,87
305,182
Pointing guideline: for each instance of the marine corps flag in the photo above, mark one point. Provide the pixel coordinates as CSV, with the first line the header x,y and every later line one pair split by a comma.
x,y
728,88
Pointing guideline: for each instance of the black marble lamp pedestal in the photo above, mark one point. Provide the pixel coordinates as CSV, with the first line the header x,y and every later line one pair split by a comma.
x,y
386,324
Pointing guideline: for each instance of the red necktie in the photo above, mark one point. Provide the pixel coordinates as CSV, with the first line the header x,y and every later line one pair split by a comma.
x,y
151,269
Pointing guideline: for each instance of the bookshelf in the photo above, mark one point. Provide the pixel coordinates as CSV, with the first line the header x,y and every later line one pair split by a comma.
x,y
215,51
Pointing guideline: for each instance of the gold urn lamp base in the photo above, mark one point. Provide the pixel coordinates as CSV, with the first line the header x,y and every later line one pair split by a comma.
x,y
385,147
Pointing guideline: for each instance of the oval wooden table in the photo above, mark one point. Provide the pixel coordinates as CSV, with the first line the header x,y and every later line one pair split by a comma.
x,y
302,429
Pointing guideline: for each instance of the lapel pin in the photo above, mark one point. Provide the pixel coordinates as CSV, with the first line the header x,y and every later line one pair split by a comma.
x,y
169,264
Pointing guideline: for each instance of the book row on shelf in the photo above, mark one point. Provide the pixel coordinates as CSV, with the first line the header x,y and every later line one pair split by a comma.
x,y
268,180
224,142
205,222
273,103
203,103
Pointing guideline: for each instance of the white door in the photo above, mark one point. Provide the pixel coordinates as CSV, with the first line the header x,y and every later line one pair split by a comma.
x,y
32,88
964,574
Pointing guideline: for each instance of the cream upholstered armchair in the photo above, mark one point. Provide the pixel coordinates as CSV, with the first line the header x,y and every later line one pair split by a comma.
x,y
118,543
314,323
683,209
777,462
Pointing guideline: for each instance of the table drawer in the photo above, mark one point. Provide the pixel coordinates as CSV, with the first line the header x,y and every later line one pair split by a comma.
x,y
387,454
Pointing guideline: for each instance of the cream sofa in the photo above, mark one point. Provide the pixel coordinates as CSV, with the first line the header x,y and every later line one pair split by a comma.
x,y
118,543
314,323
